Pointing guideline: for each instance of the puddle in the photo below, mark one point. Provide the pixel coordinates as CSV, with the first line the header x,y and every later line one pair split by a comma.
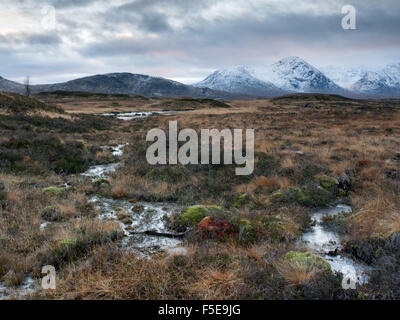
x,y
28,286
138,114
322,241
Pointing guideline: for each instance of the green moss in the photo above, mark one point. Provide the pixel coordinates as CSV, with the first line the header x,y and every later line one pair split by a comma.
x,y
277,228
310,196
318,197
308,260
328,182
100,181
194,214
240,200
54,191
248,234
290,195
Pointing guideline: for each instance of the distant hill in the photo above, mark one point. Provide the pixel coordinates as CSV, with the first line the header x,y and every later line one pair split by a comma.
x,y
125,83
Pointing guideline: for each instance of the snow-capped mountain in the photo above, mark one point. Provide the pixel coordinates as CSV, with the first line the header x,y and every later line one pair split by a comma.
x,y
295,74
238,79
385,81
343,77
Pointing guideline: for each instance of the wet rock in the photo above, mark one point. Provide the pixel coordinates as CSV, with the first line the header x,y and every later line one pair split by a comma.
x,y
367,250
344,182
393,244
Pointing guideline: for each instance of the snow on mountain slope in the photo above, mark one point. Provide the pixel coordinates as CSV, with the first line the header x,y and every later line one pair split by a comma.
x,y
238,79
295,74
384,81
345,78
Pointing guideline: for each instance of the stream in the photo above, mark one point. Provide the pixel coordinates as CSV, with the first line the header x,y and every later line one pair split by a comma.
x,y
138,114
326,243
151,218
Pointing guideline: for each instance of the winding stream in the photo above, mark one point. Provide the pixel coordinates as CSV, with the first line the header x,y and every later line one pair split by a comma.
x,y
151,218
326,243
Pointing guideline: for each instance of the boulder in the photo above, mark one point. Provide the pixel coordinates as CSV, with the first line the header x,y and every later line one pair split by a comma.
x,y
344,182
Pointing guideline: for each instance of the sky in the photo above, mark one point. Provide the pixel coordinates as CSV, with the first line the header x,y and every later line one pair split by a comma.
x,y
185,40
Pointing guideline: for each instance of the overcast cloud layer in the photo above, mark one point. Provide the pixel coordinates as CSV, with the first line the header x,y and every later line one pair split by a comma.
x,y
186,40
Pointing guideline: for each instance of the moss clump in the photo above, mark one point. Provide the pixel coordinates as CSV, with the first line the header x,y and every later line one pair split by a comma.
x,y
240,200
307,260
51,213
54,191
277,228
101,181
289,195
194,214
328,182
248,233
310,196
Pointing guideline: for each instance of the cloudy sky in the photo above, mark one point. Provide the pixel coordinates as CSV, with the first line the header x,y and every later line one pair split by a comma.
x,y
185,40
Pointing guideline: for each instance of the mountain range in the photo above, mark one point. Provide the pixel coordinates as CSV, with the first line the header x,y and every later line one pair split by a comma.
x,y
291,74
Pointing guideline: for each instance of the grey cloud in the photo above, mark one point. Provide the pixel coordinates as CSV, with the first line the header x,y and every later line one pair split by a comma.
x,y
265,32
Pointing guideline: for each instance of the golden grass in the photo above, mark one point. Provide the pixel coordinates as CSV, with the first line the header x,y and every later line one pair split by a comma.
x,y
295,273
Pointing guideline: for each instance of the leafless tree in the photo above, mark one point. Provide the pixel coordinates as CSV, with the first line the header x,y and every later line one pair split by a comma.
x,y
27,86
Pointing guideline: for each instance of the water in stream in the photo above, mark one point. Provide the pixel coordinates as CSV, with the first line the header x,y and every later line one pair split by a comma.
x,y
138,114
323,242
151,219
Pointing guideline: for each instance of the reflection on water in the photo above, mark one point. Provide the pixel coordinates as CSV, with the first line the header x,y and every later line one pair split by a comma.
x,y
322,242
153,217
